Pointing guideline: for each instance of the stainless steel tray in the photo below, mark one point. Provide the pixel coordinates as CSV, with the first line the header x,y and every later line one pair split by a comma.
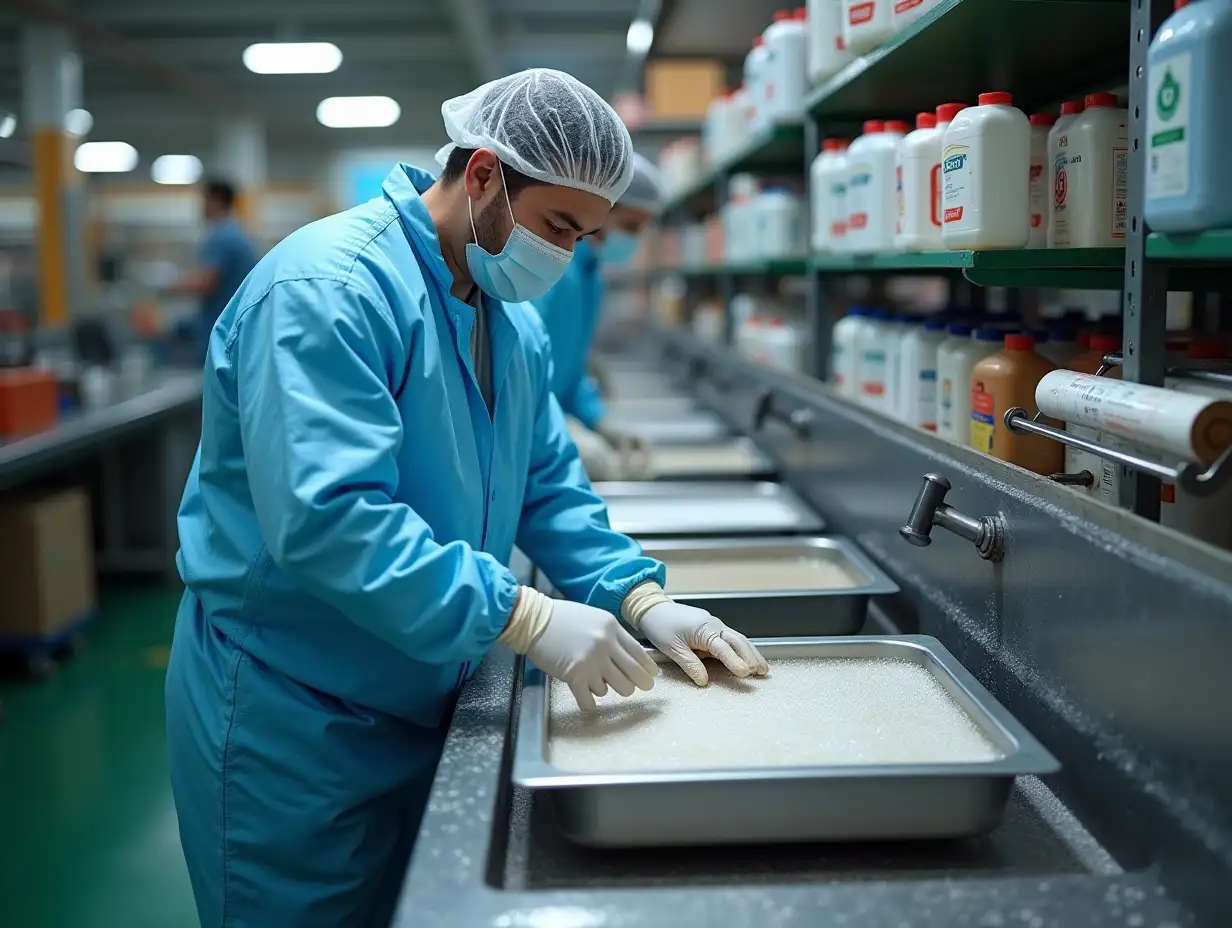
x,y
702,425
775,613
760,805
758,464
652,407
714,507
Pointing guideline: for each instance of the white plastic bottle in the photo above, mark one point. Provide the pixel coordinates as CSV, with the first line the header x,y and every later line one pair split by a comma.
x,y
1097,202
954,374
897,329
1058,172
917,170
828,52
1041,124
780,224
754,84
908,11
871,363
786,66
871,201
867,23
956,335
844,353
917,377
945,115
828,205
986,172
739,219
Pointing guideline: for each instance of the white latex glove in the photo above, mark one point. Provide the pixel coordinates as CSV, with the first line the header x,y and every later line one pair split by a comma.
x,y
590,651
679,630
601,460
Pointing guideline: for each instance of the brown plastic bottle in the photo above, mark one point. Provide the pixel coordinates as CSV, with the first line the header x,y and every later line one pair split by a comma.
x,y
1092,359
1002,381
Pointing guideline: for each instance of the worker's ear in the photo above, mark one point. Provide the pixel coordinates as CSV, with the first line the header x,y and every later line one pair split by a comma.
x,y
482,176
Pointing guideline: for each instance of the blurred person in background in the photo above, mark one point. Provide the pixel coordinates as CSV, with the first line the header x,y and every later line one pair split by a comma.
x,y
226,256
378,430
570,312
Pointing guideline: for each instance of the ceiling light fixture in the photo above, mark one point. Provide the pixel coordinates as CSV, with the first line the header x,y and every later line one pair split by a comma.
x,y
176,169
292,57
639,37
105,158
78,122
8,125
358,112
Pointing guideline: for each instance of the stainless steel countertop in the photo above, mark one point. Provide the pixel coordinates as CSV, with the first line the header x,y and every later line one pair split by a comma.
x,y
486,857
169,393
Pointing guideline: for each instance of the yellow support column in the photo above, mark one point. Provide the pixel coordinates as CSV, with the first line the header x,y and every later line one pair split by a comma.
x,y
54,174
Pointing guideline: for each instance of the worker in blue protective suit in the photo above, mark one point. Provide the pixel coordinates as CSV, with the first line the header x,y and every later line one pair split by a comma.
x,y
378,431
571,310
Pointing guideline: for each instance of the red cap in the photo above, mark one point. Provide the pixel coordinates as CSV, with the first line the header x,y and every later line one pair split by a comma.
x,y
1100,99
1071,107
925,121
1042,119
758,41
947,111
1207,350
1019,343
781,16
1101,341
1084,341
897,125
996,98
777,320
802,14
873,126
834,144
1179,4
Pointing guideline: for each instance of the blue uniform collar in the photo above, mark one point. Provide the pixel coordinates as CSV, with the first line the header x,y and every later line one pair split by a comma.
x,y
585,255
403,187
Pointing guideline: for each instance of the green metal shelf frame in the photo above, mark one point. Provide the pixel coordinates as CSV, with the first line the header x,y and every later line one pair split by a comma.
x,y
1214,246
1079,268
783,267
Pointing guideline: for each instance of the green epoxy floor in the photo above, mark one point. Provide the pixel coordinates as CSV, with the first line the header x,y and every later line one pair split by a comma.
x,y
87,830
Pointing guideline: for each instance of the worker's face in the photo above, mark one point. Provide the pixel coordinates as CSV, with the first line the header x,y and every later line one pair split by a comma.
x,y
560,215
625,218
212,209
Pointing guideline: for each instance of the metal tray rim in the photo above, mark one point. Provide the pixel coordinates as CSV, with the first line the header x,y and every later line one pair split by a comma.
x,y
807,519
879,584
1028,756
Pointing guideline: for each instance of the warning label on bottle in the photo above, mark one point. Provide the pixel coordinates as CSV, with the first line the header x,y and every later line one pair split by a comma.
x,y
982,418
859,13
1167,127
902,6
956,172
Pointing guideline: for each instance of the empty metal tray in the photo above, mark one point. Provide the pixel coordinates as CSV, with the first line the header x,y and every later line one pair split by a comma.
x,y
726,459
762,804
716,507
774,612
677,429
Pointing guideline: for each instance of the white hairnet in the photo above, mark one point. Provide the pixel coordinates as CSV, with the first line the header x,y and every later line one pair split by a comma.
x,y
645,190
549,126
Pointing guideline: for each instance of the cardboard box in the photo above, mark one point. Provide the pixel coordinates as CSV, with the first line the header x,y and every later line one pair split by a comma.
x,y
47,562
29,401
681,89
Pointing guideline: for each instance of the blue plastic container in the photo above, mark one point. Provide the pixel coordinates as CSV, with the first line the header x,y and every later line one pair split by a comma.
x,y
1189,119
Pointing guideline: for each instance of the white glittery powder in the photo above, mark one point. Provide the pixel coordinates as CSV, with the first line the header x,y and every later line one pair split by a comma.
x,y
808,712
701,513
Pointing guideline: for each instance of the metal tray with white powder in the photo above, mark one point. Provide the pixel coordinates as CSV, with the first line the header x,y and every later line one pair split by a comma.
x,y
913,747
706,507
774,587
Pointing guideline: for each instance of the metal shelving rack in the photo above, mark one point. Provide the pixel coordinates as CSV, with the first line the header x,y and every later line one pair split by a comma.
x,y
1043,53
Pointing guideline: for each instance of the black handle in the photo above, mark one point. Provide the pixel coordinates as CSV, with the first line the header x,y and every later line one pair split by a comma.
x,y
918,530
800,420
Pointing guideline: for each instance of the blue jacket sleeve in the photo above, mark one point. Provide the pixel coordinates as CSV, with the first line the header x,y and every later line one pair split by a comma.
x,y
586,404
315,360
564,527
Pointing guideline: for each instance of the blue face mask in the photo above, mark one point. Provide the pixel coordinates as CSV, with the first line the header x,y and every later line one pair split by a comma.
x,y
526,268
618,248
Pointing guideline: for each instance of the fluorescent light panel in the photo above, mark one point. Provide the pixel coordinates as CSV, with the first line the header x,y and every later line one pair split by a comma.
x,y
78,122
292,57
176,169
105,158
640,36
358,112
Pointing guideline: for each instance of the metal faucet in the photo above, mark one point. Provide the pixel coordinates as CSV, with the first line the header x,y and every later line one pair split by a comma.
x,y
986,533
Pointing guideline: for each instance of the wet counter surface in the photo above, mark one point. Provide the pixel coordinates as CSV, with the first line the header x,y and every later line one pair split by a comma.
x,y
490,855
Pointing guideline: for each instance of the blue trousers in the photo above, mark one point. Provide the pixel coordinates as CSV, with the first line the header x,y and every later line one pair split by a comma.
x,y
295,809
